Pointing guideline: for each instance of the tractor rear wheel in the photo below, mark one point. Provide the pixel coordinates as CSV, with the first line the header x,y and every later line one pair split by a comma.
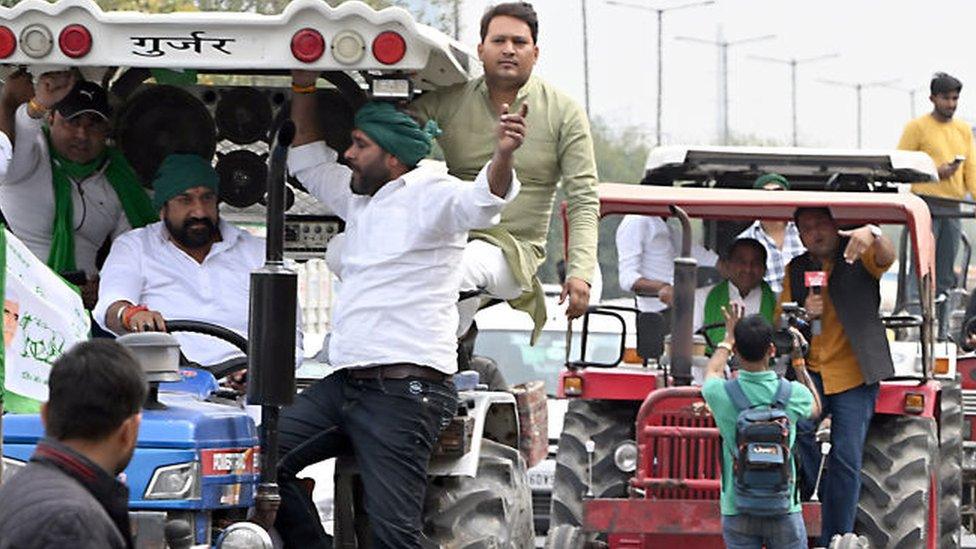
x,y
950,464
606,423
565,536
493,509
900,457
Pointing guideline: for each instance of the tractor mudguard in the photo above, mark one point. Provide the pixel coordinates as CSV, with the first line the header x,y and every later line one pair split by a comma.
x,y
495,418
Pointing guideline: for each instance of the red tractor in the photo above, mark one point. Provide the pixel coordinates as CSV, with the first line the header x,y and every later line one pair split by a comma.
x,y
639,455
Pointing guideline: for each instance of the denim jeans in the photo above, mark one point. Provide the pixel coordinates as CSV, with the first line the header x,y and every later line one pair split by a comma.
x,y
747,532
840,487
948,234
390,425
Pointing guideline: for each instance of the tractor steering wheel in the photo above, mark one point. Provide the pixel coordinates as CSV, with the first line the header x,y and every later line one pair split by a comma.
x,y
222,369
703,331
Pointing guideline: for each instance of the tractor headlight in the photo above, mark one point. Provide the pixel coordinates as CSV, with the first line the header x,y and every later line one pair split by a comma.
x,y
11,467
180,481
244,535
625,456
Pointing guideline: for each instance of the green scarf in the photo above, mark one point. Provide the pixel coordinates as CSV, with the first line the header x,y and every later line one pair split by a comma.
x,y
719,297
135,202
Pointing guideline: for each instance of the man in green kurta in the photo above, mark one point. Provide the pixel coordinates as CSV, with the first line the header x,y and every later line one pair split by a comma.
x,y
558,148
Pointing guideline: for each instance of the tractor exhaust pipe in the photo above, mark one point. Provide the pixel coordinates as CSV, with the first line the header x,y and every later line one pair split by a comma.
x,y
271,333
683,306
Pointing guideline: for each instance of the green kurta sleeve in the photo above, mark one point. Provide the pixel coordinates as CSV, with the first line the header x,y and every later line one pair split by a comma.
x,y
577,166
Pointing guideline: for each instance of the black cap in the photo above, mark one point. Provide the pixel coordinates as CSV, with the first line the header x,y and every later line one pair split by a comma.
x,y
85,97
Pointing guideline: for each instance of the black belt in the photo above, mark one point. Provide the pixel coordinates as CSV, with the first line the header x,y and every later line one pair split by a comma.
x,y
399,370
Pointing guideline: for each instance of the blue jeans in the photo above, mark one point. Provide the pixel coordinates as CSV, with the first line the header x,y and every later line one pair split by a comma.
x,y
747,532
390,425
840,487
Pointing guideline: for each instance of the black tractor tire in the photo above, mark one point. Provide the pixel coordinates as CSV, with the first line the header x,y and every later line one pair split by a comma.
x,y
565,536
950,464
900,456
606,423
489,373
849,541
491,510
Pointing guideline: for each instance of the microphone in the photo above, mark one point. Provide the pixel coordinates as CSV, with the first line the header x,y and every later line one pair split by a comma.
x,y
815,281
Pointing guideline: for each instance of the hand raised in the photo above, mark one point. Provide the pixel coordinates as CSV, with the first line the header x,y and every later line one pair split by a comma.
x,y
52,87
511,129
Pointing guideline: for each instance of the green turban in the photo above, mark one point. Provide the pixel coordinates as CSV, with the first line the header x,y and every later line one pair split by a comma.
x,y
180,172
395,132
771,178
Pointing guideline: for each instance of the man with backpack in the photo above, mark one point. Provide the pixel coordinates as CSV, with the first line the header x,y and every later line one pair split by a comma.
x,y
756,415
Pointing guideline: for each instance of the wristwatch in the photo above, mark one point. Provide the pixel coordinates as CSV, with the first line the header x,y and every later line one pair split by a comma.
x,y
724,345
875,230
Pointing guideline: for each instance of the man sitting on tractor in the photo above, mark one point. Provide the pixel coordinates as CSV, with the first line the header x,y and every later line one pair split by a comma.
x,y
394,337
192,265
846,376
769,512
745,263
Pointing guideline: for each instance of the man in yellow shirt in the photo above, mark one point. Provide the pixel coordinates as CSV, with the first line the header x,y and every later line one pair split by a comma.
x,y
949,141
851,262
558,149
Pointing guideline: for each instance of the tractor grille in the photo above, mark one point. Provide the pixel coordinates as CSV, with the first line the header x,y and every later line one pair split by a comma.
x,y
969,402
685,459
540,510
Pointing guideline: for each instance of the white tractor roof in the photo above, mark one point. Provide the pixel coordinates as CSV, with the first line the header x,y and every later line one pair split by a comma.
x,y
702,162
44,34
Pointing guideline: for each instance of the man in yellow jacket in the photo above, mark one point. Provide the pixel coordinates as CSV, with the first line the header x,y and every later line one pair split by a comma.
x,y
949,141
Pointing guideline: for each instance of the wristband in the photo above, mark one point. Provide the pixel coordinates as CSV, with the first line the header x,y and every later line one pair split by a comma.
x,y
725,345
34,106
302,89
130,311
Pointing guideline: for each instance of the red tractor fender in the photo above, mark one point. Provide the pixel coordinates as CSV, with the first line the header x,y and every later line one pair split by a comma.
x,y
620,383
893,397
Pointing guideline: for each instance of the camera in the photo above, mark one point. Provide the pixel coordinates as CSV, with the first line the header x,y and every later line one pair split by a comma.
x,y
794,316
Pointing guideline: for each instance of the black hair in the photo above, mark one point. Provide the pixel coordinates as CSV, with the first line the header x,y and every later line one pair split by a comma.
x,y
944,83
800,211
748,242
753,336
519,10
93,389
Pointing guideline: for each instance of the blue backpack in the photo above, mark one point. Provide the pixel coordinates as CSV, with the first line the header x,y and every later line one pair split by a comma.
x,y
762,462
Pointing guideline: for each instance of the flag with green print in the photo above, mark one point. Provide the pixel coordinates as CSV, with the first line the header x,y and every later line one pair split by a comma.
x,y
43,316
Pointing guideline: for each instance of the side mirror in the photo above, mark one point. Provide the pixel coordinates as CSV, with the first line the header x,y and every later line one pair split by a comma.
x,y
651,329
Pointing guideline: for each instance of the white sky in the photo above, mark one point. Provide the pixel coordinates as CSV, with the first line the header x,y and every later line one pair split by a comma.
x,y
877,40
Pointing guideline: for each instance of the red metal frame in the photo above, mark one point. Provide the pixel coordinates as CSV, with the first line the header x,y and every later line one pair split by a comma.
x,y
613,383
678,475
966,366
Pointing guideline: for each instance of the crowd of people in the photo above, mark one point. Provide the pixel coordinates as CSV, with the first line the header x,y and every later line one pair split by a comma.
x,y
416,239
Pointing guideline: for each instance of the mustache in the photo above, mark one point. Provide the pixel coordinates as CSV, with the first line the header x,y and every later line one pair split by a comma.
x,y
199,220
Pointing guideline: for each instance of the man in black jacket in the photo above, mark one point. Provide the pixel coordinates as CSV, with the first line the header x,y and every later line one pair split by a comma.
x,y
836,280
68,495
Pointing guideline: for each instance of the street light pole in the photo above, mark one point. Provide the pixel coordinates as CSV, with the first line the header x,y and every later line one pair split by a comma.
x,y
660,51
793,62
911,97
858,87
724,48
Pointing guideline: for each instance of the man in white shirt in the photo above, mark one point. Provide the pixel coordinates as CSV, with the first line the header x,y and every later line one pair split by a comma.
x,y
745,264
66,192
646,248
192,265
394,327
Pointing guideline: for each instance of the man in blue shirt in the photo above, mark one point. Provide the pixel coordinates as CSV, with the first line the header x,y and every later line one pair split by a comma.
x,y
751,340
